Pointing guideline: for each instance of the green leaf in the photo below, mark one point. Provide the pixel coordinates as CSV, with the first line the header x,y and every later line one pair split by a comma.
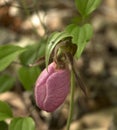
x,y
69,29
21,123
6,82
84,35
33,52
5,111
28,76
8,53
53,40
80,36
86,7
3,125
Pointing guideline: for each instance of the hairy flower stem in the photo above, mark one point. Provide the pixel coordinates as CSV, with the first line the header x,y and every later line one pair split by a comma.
x,y
71,101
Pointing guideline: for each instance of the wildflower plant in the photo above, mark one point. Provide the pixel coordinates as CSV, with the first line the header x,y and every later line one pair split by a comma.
x,y
69,45
58,78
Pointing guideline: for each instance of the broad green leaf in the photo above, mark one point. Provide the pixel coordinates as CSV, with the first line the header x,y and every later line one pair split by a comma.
x,y
21,123
5,111
6,82
80,36
85,34
33,52
3,125
28,76
8,53
85,7
53,40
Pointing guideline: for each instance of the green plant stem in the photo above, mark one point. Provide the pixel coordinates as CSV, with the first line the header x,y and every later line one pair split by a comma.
x,y
71,101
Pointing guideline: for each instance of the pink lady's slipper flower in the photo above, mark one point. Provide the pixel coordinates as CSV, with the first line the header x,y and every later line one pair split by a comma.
x,y
52,87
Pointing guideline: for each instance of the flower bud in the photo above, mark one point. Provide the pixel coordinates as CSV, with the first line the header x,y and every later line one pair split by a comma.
x,y
52,87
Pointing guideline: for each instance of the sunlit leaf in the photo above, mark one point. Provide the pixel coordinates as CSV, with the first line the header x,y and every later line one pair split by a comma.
x,y
85,7
84,35
80,36
21,123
